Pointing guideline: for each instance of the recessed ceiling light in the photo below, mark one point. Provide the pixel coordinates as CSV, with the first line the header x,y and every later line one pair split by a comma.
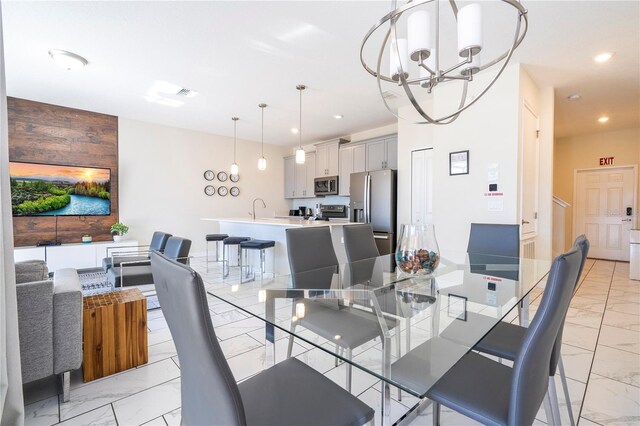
x,y
574,97
338,116
603,57
67,60
295,130
603,119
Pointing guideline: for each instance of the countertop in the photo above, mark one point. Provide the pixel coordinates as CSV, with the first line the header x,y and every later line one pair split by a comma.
x,y
271,221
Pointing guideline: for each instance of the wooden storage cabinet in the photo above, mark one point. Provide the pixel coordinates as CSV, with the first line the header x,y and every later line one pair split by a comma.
x,y
353,159
114,333
298,178
382,153
328,158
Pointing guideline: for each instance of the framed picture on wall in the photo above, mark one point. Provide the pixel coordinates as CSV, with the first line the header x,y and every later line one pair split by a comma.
x,y
459,163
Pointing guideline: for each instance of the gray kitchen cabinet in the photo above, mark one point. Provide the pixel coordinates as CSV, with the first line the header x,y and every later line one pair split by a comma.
x,y
310,174
298,178
290,177
382,153
353,159
328,158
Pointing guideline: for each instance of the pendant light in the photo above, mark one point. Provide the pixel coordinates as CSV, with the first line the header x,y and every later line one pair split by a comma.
x,y
300,154
262,162
234,166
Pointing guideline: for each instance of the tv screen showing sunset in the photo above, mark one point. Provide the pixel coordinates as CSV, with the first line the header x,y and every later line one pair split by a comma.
x,y
47,189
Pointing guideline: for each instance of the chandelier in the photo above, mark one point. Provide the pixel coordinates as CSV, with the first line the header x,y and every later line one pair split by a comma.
x,y
422,47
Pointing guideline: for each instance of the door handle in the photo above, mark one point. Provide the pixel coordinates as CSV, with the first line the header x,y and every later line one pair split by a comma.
x,y
525,222
626,220
381,237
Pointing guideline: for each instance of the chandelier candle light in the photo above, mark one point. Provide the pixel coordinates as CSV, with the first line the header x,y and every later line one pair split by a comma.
x,y
234,166
422,48
262,162
300,154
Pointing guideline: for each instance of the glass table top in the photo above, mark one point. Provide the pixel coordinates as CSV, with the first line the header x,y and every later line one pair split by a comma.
x,y
407,330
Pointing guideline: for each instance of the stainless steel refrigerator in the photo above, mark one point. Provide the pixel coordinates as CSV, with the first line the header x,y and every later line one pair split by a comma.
x,y
373,200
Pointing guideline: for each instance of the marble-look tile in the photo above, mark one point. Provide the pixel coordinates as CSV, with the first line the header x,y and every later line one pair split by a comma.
x,y
598,291
113,388
577,362
157,324
249,363
624,293
239,344
585,422
620,338
239,327
318,359
588,304
360,381
174,417
626,306
148,404
42,413
580,336
621,320
618,365
227,317
373,398
611,402
158,421
162,351
102,416
158,336
584,317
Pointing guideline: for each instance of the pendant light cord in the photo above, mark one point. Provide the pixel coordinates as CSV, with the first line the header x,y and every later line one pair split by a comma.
x,y
262,140
235,125
300,125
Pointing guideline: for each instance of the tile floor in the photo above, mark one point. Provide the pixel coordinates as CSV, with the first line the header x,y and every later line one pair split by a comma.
x,y
601,352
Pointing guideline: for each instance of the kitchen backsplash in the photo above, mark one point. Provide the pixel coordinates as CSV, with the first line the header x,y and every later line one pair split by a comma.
x,y
311,202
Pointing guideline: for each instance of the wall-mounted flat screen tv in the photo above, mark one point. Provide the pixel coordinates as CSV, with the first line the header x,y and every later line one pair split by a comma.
x,y
54,190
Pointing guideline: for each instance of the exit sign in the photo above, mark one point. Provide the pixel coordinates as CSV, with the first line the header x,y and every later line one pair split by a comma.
x,y
606,161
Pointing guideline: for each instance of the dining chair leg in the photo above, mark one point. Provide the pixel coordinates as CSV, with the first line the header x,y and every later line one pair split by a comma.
x,y
565,388
398,352
349,369
547,411
225,262
290,348
553,400
436,413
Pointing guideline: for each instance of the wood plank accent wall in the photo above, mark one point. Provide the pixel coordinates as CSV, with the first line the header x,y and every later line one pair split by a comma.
x,y
51,134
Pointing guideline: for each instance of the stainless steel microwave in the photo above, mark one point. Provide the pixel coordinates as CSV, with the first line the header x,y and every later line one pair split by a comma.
x,y
325,186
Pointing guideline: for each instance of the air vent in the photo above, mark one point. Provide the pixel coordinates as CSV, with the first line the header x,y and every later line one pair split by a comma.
x,y
389,95
184,92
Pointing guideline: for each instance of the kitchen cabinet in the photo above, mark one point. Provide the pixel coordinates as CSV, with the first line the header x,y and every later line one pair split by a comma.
x,y
382,153
352,160
298,178
328,158
290,177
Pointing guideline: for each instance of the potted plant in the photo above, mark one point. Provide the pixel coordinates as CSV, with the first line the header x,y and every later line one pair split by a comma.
x,y
86,238
119,229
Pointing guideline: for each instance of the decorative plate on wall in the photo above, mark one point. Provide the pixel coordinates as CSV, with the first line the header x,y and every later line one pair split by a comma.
x,y
222,176
209,175
209,190
234,178
223,191
235,191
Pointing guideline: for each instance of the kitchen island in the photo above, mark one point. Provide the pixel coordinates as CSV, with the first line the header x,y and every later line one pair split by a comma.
x,y
274,229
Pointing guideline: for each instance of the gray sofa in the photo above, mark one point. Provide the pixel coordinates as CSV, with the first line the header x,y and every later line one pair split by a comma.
x,y
49,322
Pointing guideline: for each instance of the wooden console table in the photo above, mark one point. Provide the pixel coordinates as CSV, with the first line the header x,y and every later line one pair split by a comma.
x,y
114,331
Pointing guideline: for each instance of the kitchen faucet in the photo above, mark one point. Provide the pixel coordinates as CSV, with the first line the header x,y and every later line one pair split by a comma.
x,y
264,206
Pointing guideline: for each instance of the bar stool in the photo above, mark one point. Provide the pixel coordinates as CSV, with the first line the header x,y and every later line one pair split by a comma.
x,y
261,245
227,242
217,238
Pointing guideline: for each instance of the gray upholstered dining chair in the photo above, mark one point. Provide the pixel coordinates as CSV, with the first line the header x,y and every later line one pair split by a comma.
x,y
311,249
493,393
289,393
506,339
136,273
139,254
359,242
494,239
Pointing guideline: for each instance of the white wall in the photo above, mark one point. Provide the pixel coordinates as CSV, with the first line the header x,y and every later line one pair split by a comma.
x,y
490,131
162,184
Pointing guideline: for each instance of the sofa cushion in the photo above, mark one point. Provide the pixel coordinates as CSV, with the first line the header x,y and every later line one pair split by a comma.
x,y
30,271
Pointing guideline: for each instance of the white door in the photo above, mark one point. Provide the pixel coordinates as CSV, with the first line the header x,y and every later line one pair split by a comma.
x,y
529,203
422,186
605,210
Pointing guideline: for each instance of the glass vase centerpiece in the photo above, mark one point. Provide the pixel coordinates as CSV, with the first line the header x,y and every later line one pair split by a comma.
x,y
417,252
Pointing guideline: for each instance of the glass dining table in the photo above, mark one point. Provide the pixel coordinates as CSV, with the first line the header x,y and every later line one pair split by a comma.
x,y
414,327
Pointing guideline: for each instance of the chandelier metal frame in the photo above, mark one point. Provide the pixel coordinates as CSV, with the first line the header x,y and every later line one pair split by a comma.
x,y
436,76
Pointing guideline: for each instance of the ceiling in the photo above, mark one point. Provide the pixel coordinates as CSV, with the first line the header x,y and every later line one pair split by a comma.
x,y
239,54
